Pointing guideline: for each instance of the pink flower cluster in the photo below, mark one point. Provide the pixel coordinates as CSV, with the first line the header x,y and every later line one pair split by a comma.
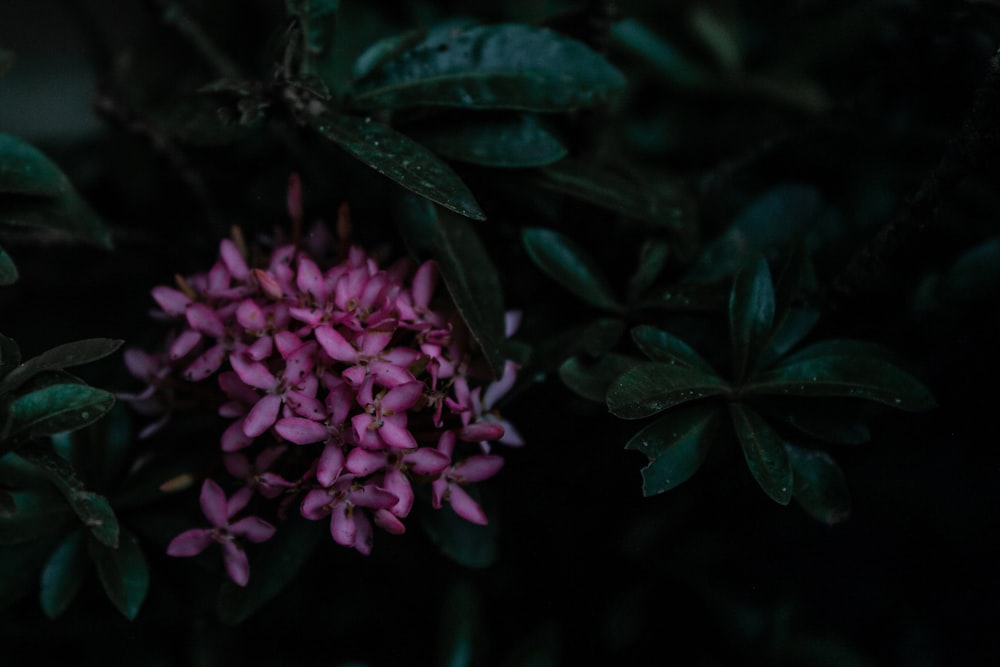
x,y
346,381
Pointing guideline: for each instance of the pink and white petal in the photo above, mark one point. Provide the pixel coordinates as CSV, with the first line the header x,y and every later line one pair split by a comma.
x,y
426,461
261,348
287,343
363,462
373,342
184,343
446,444
389,374
172,301
424,283
372,496
479,431
233,259
234,438
511,436
213,503
237,389
512,322
388,522
355,375
253,373
190,542
250,315
363,537
330,464
305,405
310,279
139,363
315,505
262,416
362,425
394,433
301,431
237,465
496,390
253,528
207,363
238,502
477,468
203,319
396,483
439,489
266,458
237,564
218,279
335,344
342,527
403,397
339,402
465,506
268,284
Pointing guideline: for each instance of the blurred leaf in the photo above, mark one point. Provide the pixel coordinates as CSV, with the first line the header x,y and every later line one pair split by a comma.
x,y
820,487
24,170
841,347
317,19
659,345
976,274
652,259
63,575
504,141
62,356
601,336
199,122
764,451
591,381
795,287
386,49
460,634
60,407
400,158
98,452
837,421
47,220
845,376
658,52
676,445
687,298
466,543
8,506
38,515
561,259
10,355
793,325
19,565
629,195
8,271
123,572
273,566
92,508
507,66
466,268
6,60
652,387
751,314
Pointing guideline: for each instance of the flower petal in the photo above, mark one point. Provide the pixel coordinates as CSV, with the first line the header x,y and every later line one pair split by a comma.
x,y
479,431
426,461
372,496
233,260
363,462
233,438
301,431
394,433
403,397
237,564
465,506
330,464
316,504
172,301
335,344
213,503
397,484
388,522
253,528
206,364
476,468
238,501
262,416
342,528
184,343
204,319
190,542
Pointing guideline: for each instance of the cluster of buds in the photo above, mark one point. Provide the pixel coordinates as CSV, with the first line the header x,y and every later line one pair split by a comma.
x,y
344,384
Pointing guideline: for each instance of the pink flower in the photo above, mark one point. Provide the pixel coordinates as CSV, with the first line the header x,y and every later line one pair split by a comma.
x,y
344,500
448,486
219,513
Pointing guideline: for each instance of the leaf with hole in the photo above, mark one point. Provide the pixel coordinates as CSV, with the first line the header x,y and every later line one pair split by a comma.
x,y
676,444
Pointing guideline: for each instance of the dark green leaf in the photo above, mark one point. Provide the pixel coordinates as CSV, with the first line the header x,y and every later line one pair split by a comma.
x,y
64,218
601,336
38,515
8,505
676,445
841,347
6,60
652,387
751,314
652,259
511,141
833,420
385,50
273,565
92,508
793,325
98,452
665,58
466,543
8,271
61,356
560,258
56,408
24,170
591,381
10,355
63,574
466,268
764,451
19,566
820,487
123,572
660,204
659,345
400,158
460,632
317,20
846,376
687,298
492,67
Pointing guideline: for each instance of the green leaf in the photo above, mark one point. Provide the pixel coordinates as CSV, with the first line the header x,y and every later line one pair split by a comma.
x,y
591,381
517,141
400,158
751,314
841,347
793,325
57,408
601,335
659,345
653,202
820,486
466,268
317,19
24,170
652,259
665,58
676,444
461,629
98,452
38,515
652,387
846,376
273,566
385,50
10,355
561,259
123,572
62,356
8,505
6,60
764,451
19,565
466,543
92,508
63,575
8,271
507,66
52,220
836,421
